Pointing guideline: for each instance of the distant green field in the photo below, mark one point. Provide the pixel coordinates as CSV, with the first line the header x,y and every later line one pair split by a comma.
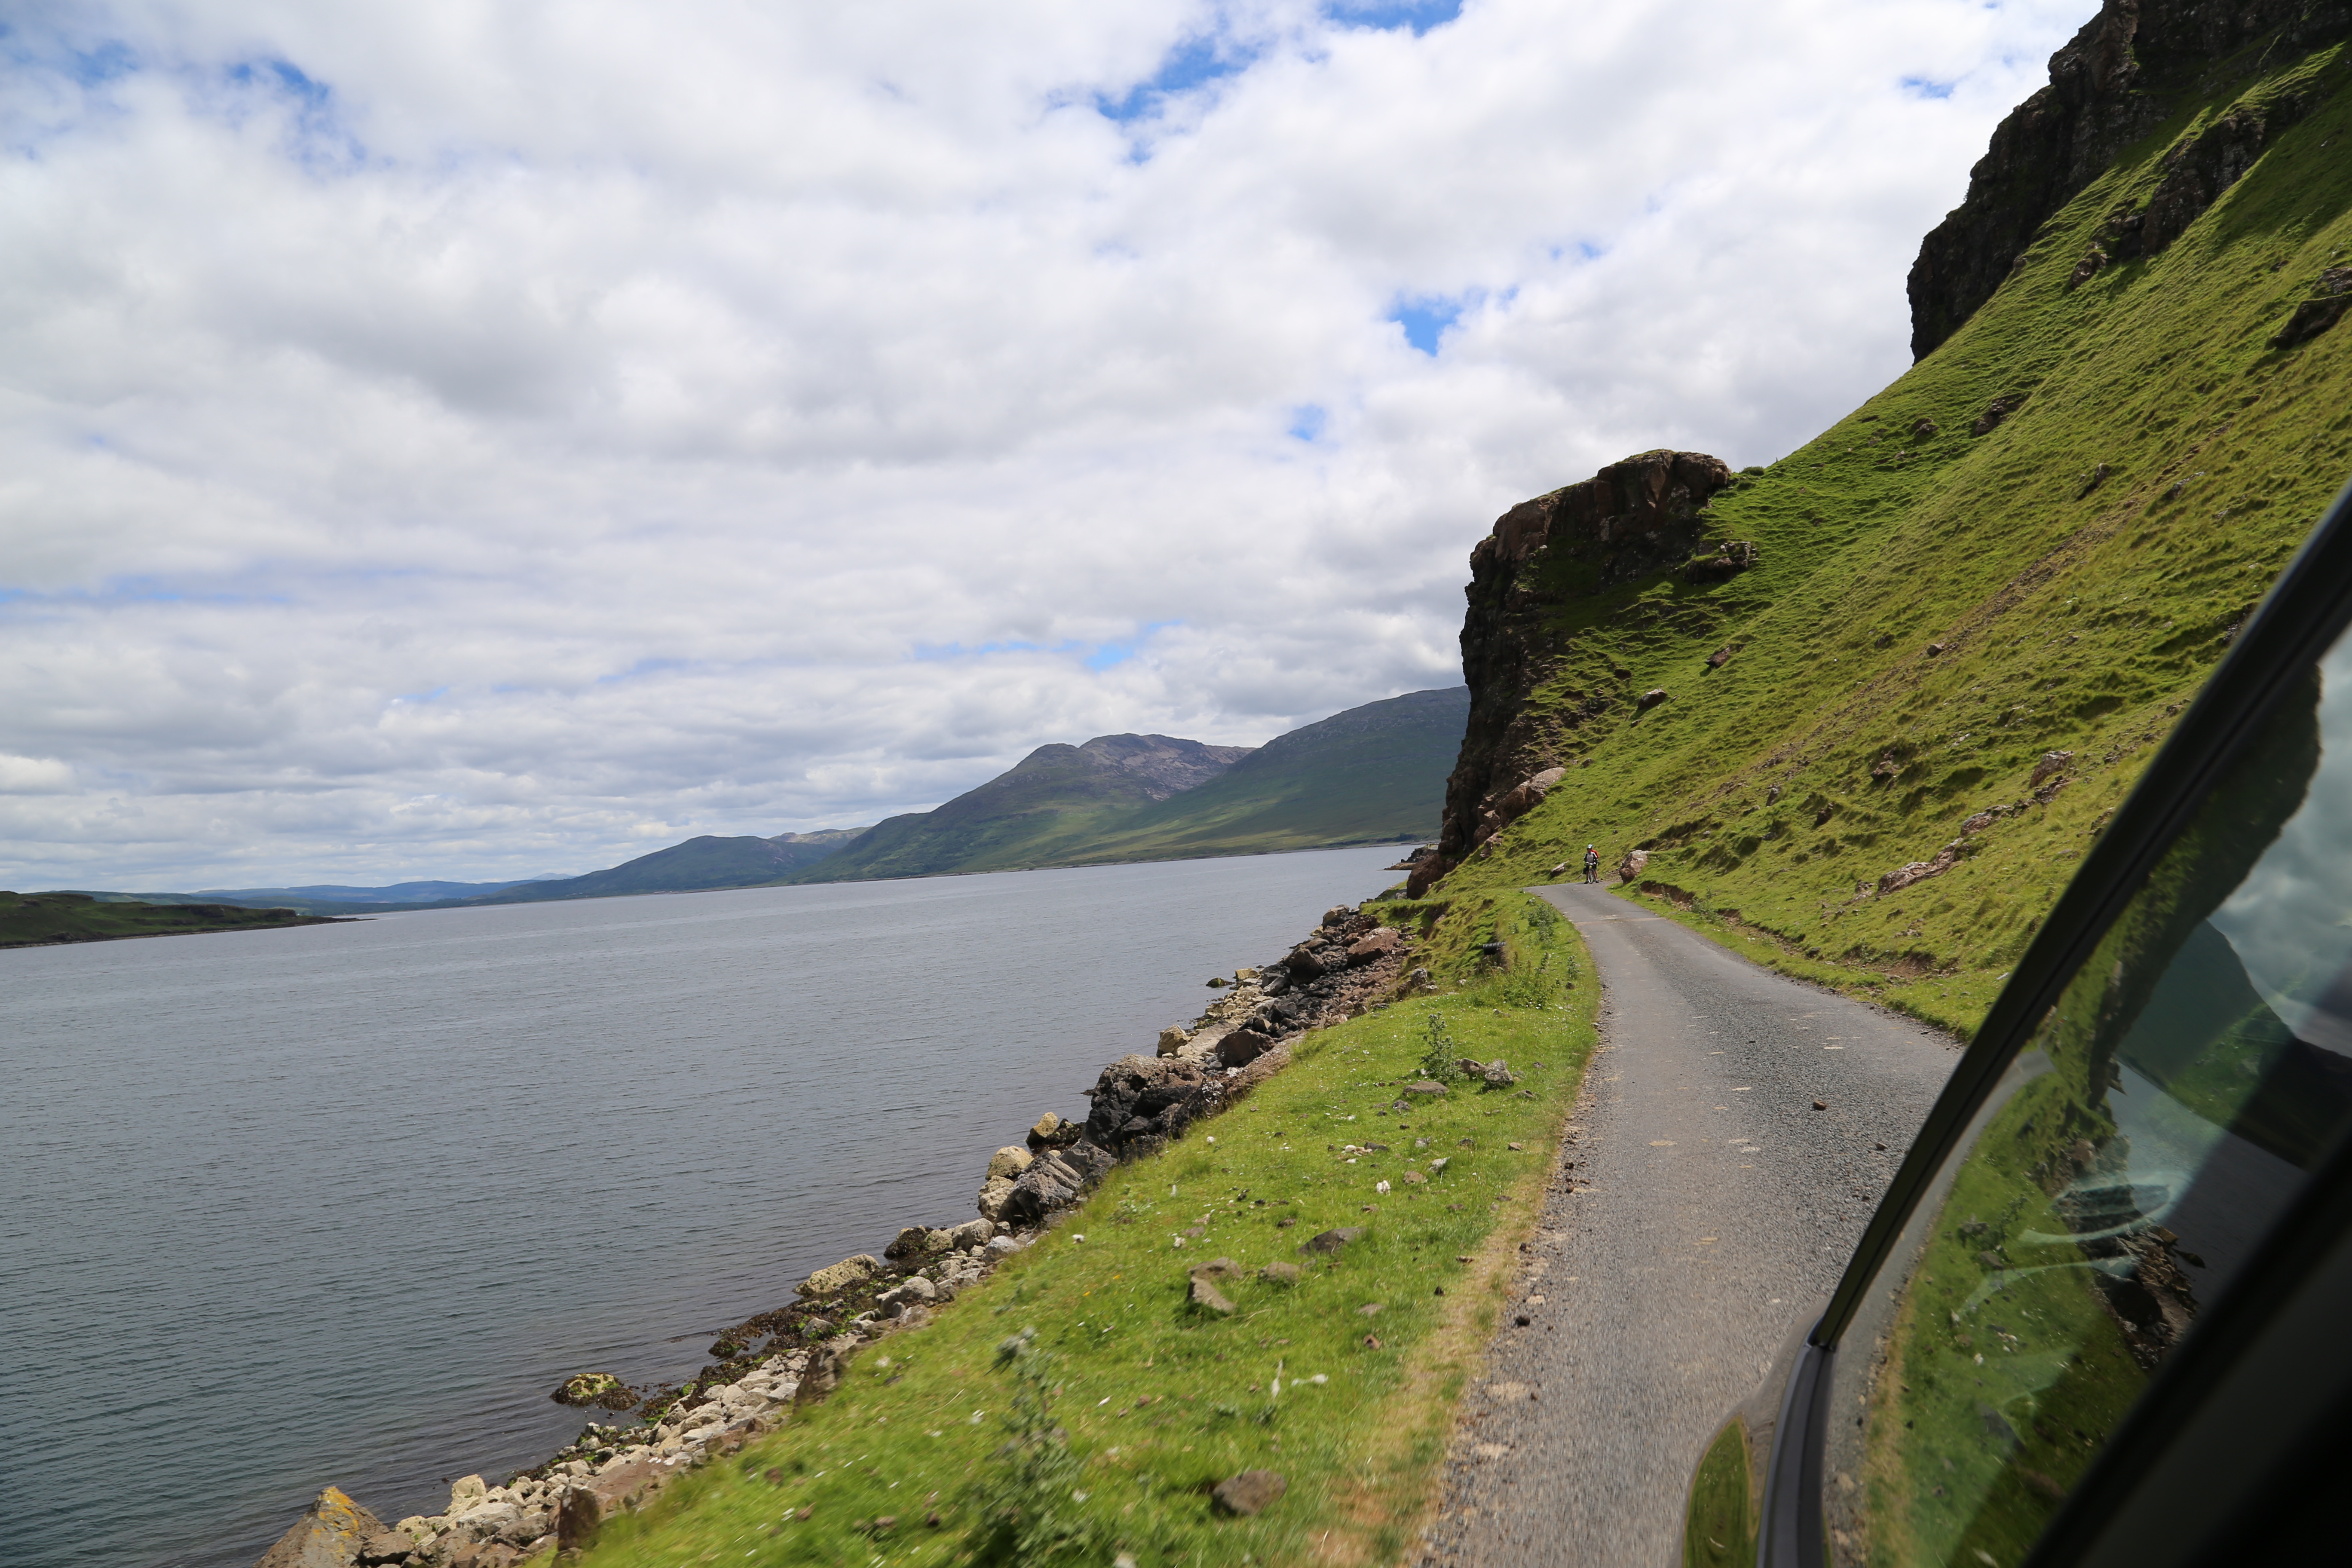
x,y
42,919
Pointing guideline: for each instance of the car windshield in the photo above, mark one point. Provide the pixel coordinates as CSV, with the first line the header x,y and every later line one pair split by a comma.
x,y
2127,1164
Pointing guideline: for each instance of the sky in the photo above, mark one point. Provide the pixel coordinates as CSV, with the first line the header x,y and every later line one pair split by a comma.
x,y
467,440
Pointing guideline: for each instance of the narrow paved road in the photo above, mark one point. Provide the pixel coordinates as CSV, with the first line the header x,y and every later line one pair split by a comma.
x,y
1708,1205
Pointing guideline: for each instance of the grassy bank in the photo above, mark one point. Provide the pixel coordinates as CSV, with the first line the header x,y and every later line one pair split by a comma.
x,y
49,920
1120,1403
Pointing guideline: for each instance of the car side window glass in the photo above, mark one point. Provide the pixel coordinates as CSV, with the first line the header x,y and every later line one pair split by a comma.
x,y
2165,1111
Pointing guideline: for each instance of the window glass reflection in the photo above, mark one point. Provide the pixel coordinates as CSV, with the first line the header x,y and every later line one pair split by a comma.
x,y
2121,1173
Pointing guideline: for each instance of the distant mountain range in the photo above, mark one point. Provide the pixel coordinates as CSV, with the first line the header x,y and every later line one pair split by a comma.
x,y
1369,776
1372,775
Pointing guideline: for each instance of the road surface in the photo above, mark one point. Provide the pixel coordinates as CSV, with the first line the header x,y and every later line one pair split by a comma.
x,y
1708,1205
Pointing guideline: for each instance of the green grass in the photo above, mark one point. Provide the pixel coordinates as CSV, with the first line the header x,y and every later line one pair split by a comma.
x,y
2076,613
1159,1400
47,919
1719,1526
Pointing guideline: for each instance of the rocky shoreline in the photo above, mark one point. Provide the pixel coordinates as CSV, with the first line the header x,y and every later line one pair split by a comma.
x,y
797,1352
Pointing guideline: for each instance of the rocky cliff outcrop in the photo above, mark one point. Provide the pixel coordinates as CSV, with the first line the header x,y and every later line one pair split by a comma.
x,y
1632,520
2130,69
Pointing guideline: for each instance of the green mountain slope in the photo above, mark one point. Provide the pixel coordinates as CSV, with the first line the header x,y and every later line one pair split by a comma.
x,y
1051,806
1977,603
696,865
1371,774
1368,775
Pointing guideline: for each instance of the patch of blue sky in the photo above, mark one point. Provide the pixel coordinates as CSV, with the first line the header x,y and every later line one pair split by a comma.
x,y
317,138
1194,63
433,696
645,666
1923,87
928,653
1308,421
1109,654
1425,319
1389,15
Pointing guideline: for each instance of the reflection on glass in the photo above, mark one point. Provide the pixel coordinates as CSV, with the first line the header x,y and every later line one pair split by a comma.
x,y
2119,1175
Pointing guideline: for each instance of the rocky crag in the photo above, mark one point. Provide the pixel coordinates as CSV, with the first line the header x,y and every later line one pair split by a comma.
x,y
798,1352
2134,65
1630,522
1864,708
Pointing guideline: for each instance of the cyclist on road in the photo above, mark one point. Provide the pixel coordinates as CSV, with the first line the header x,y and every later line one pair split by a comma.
x,y
1591,863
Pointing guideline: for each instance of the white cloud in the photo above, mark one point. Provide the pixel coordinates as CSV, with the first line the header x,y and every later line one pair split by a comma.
x,y
453,439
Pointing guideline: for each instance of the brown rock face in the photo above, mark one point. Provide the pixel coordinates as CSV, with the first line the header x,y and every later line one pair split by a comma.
x,y
329,1535
1632,520
2123,75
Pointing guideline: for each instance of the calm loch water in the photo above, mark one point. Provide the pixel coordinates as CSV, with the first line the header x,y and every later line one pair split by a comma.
x,y
342,1203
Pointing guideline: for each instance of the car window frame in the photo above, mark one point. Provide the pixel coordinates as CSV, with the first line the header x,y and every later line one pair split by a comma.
x,y
2304,613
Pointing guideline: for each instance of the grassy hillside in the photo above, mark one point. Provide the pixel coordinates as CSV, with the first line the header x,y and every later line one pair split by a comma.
x,y
709,861
1937,611
42,919
1368,775
1372,774
1123,1404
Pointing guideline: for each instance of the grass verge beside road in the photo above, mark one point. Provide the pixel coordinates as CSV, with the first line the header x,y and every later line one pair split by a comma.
x,y
1121,1404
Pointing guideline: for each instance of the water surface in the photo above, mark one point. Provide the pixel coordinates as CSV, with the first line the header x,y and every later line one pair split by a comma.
x,y
342,1203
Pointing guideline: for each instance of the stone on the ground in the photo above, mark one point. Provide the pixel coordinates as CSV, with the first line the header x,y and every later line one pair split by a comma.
x,y
971,1232
328,1535
1141,1099
1242,1048
1426,1086
1379,944
1001,1245
1205,1295
1216,1268
842,1275
1632,865
389,1546
614,1490
464,1492
912,1242
824,1373
1251,1492
995,1194
1279,1274
1173,1038
1331,1241
1057,1179
1010,1161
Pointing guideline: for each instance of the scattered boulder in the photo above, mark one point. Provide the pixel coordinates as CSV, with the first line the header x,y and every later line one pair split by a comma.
x,y
1420,979
588,1504
1632,865
594,1388
1141,1100
467,1492
1729,561
328,1535
971,1232
1378,943
1718,659
1279,1274
1203,1293
1055,1181
1330,1241
2332,295
1054,1131
1251,1492
391,1546
2051,762
1496,1074
1338,915
1009,1162
1999,409
1650,698
1947,858
1173,1038
914,1241
994,1196
824,1373
1242,1048
840,1276
1426,1086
